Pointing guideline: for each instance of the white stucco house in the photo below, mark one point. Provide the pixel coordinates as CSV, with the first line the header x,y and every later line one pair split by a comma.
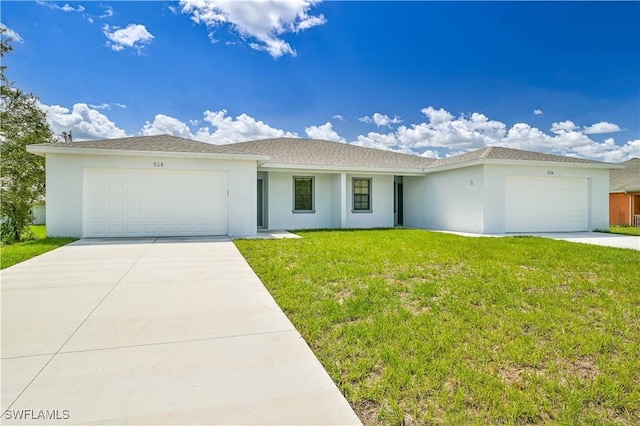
x,y
169,186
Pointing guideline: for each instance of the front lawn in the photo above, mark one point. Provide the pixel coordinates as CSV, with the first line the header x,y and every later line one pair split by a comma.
x,y
19,252
626,230
418,327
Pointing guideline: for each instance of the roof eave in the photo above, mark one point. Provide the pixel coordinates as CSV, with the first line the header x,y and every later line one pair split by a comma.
x,y
506,162
44,150
323,168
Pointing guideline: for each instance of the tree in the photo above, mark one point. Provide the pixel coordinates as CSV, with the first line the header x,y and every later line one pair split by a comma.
x,y
22,182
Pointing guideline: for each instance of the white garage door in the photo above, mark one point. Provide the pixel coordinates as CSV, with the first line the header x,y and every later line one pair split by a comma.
x,y
546,204
123,203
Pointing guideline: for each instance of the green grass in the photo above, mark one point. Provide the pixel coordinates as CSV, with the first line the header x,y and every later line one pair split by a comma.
x,y
626,230
19,252
418,327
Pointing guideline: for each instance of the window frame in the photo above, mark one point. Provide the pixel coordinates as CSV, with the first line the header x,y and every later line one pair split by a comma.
x,y
369,195
313,194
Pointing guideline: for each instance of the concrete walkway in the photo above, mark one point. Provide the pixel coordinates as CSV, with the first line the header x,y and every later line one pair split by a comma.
x,y
154,331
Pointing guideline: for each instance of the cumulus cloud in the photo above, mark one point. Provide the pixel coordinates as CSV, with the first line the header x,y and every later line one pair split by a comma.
x,y
134,36
325,132
86,123
381,120
11,34
437,116
440,134
563,127
339,117
261,23
537,112
449,135
602,127
225,129
164,124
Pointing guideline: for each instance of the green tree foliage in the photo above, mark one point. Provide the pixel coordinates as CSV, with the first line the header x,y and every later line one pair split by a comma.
x,y
22,178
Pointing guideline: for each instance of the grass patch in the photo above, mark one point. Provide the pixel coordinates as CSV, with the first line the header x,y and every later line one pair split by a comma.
x,y
626,230
418,327
19,252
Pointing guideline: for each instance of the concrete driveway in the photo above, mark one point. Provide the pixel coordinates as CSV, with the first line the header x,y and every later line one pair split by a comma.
x,y
154,331
595,238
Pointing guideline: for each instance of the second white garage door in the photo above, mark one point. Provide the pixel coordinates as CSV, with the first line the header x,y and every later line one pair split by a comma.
x,y
546,204
130,202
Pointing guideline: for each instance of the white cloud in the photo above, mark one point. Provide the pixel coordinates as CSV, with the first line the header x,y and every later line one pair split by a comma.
x,y
325,132
134,36
339,117
107,106
473,131
437,116
381,120
441,134
65,7
261,23
226,129
537,112
85,122
108,12
563,127
163,124
602,127
9,33
103,105
241,128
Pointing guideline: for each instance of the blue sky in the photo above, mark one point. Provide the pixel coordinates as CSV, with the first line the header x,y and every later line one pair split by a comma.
x,y
433,78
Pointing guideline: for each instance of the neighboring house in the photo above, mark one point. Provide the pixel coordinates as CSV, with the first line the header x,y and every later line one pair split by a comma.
x,y
624,194
164,185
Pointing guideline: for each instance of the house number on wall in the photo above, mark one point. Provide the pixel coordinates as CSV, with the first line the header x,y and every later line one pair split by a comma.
x,y
158,164
550,172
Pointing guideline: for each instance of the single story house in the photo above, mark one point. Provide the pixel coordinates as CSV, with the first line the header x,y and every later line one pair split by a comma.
x,y
169,186
624,194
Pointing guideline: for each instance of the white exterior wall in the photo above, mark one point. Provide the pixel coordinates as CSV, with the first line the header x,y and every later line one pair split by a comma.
x,y
453,200
381,215
495,175
327,202
64,178
281,214
414,201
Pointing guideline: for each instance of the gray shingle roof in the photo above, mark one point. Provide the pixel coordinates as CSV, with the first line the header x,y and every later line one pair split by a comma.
x,y
314,152
627,179
160,143
499,153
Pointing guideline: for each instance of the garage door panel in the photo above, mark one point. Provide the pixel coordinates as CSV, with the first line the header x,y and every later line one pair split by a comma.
x,y
154,203
546,204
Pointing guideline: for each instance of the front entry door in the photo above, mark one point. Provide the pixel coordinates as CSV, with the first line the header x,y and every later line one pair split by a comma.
x,y
260,208
399,195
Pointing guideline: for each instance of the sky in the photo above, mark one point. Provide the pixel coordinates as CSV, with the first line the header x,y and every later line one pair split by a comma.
x,y
431,78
